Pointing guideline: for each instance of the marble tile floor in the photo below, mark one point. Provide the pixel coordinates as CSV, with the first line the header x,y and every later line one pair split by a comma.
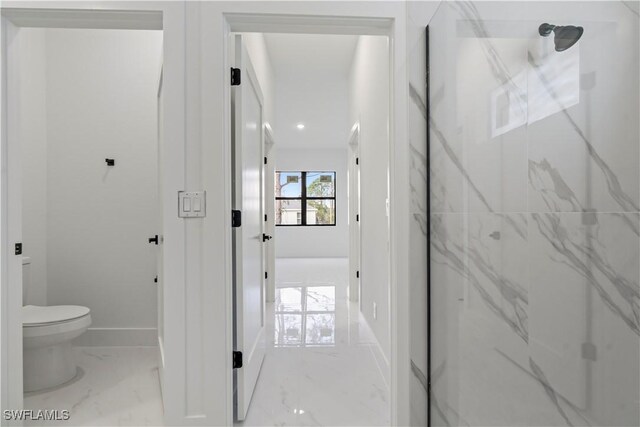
x,y
117,386
322,365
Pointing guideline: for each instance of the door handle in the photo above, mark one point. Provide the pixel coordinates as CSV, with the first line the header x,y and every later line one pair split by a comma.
x,y
266,237
154,239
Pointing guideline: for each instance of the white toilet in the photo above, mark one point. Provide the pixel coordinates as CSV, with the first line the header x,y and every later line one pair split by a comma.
x,y
47,333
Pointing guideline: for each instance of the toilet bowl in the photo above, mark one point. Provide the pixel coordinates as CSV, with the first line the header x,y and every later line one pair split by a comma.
x,y
47,333
48,359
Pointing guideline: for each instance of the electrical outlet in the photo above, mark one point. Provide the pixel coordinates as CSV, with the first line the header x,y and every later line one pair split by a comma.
x,y
375,311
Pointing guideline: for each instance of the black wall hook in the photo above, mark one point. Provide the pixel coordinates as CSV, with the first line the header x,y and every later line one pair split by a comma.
x,y
110,162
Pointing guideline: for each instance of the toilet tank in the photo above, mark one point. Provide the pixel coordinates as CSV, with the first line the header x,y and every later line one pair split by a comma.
x,y
26,278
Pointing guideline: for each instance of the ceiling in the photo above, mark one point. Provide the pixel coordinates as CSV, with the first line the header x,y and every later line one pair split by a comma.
x,y
308,53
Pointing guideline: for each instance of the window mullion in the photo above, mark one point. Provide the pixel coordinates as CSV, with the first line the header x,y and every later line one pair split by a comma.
x,y
303,205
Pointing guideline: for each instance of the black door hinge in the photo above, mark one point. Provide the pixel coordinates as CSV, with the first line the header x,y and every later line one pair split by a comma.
x,y
155,280
18,248
265,218
236,218
358,274
357,160
265,160
237,359
235,76
357,218
266,275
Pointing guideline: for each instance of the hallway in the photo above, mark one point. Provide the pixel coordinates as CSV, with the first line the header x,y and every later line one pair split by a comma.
x,y
322,365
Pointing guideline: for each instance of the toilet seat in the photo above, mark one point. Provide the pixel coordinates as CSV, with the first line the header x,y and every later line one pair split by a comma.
x,y
35,316
52,321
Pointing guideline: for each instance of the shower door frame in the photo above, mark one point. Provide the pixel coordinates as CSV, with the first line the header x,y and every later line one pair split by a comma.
x,y
428,161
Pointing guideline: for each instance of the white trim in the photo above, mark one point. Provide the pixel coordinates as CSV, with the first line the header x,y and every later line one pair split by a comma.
x,y
89,19
378,354
354,134
355,237
307,24
399,214
269,195
268,135
11,230
159,91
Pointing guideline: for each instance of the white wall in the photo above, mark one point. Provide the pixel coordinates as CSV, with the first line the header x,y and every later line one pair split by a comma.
x,y
316,242
101,90
320,101
369,104
33,138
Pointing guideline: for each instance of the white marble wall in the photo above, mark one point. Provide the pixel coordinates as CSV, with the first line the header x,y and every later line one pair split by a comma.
x,y
535,217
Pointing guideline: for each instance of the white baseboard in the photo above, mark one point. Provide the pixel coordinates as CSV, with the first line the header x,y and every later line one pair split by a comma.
x,y
118,337
303,256
381,360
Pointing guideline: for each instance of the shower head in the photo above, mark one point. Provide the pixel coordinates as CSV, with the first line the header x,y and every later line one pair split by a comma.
x,y
564,36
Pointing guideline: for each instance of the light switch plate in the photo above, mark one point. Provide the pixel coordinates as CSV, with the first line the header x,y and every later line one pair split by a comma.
x,y
192,204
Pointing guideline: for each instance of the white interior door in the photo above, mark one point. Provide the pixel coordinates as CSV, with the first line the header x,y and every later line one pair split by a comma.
x,y
159,252
249,292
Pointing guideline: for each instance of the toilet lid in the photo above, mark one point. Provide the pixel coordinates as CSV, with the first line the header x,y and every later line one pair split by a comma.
x,y
35,315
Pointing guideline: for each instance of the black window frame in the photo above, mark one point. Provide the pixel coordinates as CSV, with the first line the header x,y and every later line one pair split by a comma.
x,y
304,198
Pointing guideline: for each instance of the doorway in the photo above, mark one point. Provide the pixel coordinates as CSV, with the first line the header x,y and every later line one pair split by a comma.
x,y
320,326
90,225
84,179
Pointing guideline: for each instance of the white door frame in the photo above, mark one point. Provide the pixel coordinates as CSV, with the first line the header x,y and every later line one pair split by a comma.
x,y
159,249
355,241
399,303
168,17
11,232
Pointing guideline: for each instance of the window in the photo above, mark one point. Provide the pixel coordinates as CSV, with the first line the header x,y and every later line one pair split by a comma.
x,y
305,198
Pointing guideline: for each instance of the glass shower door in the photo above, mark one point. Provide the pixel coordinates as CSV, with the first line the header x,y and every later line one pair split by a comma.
x,y
535,218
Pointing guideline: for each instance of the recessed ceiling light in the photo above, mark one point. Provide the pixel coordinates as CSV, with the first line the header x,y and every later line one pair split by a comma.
x,y
300,125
